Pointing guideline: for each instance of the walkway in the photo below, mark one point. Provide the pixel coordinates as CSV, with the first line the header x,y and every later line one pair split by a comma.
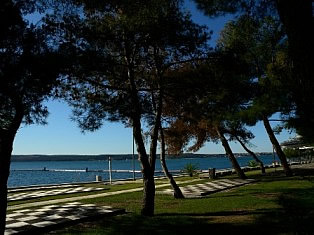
x,y
44,193
49,217
51,214
199,190
78,198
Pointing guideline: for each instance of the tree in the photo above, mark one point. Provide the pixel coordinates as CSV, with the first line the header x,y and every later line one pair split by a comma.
x,y
204,113
238,132
297,20
177,193
122,52
28,71
259,42
252,154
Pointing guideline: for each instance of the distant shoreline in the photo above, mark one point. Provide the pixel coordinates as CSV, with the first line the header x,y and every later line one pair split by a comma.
x,y
104,157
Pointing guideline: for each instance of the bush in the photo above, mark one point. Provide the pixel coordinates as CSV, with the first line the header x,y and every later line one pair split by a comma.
x,y
190,169
252,163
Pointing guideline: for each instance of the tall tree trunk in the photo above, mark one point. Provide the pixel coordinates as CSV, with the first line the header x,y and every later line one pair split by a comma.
x,y
148,194
6,146
252,154
148,174
230,154
154,135
147,171
177,193
277,147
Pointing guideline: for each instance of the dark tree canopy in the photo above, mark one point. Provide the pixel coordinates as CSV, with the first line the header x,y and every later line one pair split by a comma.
x,y
214,8
297,20
261,43
202,114
155,37
29,67
121,53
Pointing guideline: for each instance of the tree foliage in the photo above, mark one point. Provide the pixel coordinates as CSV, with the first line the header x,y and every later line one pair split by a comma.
x,y
214,8
205,114
296,19
260,42
121,60
29,67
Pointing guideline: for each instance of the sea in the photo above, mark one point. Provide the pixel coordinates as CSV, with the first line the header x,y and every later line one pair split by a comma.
x,y
57,172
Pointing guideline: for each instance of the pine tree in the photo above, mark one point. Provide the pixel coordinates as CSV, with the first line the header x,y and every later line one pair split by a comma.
x,y
28,73
122,52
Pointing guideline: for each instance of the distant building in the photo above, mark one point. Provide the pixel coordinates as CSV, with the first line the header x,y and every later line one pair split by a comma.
x,y
298,148
295,143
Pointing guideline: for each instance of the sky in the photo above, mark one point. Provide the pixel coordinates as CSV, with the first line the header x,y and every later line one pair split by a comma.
x,y
62,136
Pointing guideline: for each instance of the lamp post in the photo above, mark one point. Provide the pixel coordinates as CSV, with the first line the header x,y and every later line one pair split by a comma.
x,y
110,170
274,158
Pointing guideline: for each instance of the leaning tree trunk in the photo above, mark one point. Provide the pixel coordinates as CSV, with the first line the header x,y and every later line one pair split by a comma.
x,y
6,146
252,154
277,147
230,154
177,193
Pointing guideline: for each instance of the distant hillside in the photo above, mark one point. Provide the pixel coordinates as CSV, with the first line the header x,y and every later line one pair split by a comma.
x,y
39,157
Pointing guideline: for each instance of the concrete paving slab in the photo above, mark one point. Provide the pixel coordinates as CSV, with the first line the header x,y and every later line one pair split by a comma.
x,y
25,221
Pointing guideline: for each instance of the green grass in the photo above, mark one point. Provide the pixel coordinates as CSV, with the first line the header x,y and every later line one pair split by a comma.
x,y
274,205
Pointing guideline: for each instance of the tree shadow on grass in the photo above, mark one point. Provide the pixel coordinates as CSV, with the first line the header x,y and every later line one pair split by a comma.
x,y
265,221
298,205
270,211
159,224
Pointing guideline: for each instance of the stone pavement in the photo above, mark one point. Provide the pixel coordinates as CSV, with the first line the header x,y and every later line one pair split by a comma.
x,y
198,190
49,217
40,187
43,193
78,198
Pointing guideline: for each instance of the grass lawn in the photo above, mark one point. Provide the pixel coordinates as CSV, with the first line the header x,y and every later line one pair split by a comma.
x,y
274,205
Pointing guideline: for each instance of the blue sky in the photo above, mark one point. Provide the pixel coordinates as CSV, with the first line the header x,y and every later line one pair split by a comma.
x,y
62,136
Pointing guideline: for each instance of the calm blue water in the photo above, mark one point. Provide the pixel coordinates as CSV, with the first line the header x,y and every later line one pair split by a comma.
x,y
23,178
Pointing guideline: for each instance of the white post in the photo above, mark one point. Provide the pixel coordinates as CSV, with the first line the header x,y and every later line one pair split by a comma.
x,y
110,170
274,157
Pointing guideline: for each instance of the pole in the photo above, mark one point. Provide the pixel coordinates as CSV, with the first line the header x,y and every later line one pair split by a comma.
x,y
133,159
274,158
110,170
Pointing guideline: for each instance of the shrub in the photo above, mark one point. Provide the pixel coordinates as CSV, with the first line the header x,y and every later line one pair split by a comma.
x,y
190,169
252,163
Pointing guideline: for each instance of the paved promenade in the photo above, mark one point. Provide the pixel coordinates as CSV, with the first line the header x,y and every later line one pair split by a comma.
x,y
203,189
41,216
26,195
53,216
